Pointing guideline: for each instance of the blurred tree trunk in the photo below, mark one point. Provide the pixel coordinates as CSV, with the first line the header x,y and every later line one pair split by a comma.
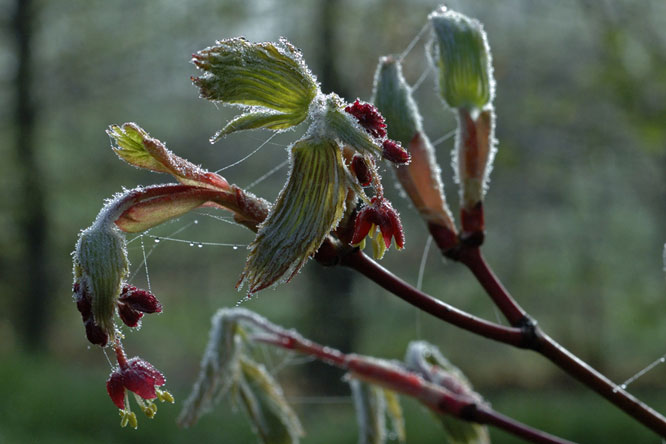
x,y
327,48
329,306
30,211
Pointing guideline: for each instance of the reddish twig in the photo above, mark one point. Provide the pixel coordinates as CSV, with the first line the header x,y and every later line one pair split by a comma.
x,y
543,344
395,377
358,261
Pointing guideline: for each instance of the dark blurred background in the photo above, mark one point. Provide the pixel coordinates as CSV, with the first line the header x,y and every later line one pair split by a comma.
x,y
575,214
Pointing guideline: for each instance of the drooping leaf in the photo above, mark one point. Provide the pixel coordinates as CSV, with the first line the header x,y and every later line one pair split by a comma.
x,y
219,368
307,209
261,396
370,408
394,413
426,360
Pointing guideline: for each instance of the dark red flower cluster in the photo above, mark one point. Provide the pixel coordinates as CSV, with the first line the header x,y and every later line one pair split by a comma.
x,y
94,332
132,304
135,375
379,213
361,170
369,117
394,152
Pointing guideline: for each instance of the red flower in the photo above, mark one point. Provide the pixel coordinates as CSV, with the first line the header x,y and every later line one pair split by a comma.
x,y
135,375
94,332
134,302
394,152
369,118
141,378
379,213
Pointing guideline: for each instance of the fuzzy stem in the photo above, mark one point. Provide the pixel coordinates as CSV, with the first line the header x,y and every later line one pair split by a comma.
x,y
396,378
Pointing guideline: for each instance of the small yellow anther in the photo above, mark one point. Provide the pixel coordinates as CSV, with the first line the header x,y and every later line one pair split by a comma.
x,y
164,396
132,420
128,417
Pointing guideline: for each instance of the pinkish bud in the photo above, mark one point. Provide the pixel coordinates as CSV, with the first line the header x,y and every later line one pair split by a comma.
x,y
368,117
394,152
360,168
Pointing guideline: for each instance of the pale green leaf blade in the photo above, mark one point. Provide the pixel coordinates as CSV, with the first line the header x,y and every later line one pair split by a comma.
x,y
135,146
307,209
219,368
248,121
370,412
394,413
271,75
273,419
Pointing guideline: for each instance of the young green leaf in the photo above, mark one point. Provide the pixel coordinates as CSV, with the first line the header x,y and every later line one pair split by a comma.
x,y
394,413
219,368
274,420
426,360
307,209
265,75
370,412
135,146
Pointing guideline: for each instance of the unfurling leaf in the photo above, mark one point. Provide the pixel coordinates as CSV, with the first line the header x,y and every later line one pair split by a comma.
x,y
421,178
307,209
394,413
274,420
219,368
265,75
136,147
426,360
370,412
462,55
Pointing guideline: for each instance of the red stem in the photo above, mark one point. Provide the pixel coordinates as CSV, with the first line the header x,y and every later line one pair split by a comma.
x,y
543,344
393,377
473,259
369,268
491,417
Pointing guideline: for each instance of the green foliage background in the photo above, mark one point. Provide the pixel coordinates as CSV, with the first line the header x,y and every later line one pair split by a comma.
x,y
575,212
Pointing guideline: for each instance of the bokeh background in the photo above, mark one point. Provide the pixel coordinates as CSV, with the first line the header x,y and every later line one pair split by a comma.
x,y
575,214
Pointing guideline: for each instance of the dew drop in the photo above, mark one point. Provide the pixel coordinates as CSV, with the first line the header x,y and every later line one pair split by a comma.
x,y
157,240
236,248
662,359
196,221
191,244
200,245
623,386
